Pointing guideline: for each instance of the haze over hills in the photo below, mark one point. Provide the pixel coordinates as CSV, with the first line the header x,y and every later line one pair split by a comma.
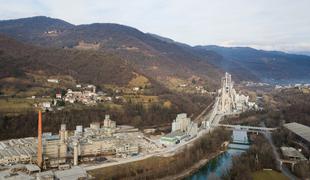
x,y
267,66
158,57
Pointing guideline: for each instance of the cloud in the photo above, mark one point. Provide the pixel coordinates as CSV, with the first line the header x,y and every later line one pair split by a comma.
x,y
276,25
269,45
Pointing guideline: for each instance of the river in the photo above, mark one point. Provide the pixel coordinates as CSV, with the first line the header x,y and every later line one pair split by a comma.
x,y
218,166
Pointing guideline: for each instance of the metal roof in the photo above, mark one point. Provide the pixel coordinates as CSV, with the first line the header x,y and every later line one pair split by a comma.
x,y
292,152
299,129
19,176
174,134
32,167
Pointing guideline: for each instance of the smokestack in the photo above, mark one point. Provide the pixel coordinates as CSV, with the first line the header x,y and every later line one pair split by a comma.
x,y
75,153
39,155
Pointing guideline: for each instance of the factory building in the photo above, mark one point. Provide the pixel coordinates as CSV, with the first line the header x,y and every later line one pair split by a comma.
x,y
181,123
25,150
292,154
300,132
108,123
102,146
230,100
173,138
127,149
78,130
51,151
96,146
18,151
182,127
101,140
53,147
54,151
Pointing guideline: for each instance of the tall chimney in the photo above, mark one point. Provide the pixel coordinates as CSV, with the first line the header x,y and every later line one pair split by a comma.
x,y
39,155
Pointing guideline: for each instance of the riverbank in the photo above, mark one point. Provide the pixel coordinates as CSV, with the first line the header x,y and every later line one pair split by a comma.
x,y
161,167
194,168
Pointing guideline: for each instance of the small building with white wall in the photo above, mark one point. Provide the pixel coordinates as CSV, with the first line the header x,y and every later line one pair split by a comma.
x,y
53,81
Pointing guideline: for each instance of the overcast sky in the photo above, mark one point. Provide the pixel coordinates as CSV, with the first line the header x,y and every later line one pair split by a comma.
x,y
264,24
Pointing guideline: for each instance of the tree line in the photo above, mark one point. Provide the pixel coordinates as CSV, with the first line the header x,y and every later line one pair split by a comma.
x,y
258,157
160,167
135,114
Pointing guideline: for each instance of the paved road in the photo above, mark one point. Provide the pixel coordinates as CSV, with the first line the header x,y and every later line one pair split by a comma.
x,y
283,169
169,151
212,117
248,128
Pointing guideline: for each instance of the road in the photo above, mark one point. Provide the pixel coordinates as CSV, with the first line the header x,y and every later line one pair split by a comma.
x,y
212,117
248,128
283,169
169,151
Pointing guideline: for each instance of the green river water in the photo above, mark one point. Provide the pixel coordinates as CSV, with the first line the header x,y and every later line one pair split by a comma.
x,y
218,166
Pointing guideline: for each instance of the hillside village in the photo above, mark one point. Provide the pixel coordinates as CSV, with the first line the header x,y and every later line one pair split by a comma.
x,y
89,95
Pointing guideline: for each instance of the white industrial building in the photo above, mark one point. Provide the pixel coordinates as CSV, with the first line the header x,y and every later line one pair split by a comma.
x,y
99,139
182,128
18,150
229,100
181,122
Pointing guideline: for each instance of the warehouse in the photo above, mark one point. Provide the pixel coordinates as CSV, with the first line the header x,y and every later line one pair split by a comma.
x,y
301,131
173,138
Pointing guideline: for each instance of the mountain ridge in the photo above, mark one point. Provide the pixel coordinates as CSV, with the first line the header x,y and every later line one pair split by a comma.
x,y
160,57
268,66
151,56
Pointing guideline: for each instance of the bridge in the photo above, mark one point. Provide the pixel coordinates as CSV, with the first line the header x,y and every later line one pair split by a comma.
x,y
247,128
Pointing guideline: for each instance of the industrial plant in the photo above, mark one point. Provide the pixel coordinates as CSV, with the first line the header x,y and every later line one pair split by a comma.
x,y
182,128
230,100
68,149
70,153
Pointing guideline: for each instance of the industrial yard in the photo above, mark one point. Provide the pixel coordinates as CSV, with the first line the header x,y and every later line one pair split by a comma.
x,y
100,143
95,144
70,154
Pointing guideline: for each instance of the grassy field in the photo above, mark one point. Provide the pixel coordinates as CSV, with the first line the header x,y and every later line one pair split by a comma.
x,y
269,175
